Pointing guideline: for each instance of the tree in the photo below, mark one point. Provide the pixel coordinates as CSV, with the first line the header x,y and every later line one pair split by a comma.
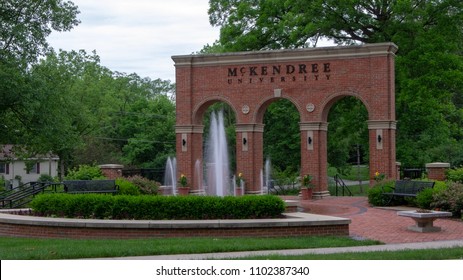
x,y
274,24
282,136
88,114
149,127
347,131
25,25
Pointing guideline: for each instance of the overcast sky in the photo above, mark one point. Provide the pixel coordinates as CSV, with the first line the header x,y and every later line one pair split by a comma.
x,y
139,35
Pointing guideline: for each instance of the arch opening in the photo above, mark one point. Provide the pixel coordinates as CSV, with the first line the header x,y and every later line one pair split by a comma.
x,y
348,142
281,146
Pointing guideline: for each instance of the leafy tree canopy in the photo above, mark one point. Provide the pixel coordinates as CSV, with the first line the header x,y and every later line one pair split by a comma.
x,y
25,25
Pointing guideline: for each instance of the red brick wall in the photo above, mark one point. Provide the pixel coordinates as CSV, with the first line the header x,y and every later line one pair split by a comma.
x,y
111,171
365,72
437,170
18,230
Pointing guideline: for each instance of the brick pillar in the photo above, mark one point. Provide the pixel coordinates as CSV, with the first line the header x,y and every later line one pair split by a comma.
x,y
189,147
249,155
111,171
382,149
314,155
436,170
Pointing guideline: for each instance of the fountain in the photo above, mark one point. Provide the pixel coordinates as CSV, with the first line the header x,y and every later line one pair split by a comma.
x,y
218,174
261,177
170,176
267,172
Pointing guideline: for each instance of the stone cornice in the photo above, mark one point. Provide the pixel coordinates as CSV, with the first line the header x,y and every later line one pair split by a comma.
x,y
286,55
253,127
313,126
382,125
189,128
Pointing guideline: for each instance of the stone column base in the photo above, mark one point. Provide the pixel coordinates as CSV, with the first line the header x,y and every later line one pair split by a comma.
x,y
320,195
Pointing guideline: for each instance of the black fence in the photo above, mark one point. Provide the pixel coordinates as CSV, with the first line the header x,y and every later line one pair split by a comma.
x,y
154,174
412,173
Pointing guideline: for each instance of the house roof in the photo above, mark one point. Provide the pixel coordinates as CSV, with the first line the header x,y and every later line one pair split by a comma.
x,y
7,152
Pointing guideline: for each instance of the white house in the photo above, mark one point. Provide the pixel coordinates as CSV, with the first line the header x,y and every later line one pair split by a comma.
x,y
14,169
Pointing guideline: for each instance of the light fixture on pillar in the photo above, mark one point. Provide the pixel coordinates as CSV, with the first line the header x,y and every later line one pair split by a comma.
x,y
245,141
379,139
183,142
309,140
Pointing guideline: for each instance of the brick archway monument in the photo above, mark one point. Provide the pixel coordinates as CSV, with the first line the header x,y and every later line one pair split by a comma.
x,y
312,79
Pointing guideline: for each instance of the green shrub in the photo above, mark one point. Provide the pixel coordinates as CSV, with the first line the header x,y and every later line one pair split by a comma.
x,y
75,206
45,178
375,194
449,199
85,172
424,198
157,207
455,175
126,187
145,185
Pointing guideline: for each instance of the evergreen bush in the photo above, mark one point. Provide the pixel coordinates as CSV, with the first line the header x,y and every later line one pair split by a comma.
x,y
157,207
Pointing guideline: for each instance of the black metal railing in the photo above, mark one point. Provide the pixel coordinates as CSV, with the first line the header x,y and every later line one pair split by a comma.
x,y
340,184
24,194
412,173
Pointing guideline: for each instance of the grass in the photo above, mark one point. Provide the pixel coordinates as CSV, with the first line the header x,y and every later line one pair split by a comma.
x,y
352,174
356,190
32,249
13,248
424,254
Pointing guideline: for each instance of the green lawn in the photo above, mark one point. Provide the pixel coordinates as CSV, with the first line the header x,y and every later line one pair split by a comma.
x,y
33,249
425,254
354,174
26,248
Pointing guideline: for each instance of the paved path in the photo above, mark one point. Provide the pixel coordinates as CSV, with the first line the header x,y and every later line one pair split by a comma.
x,y
381,224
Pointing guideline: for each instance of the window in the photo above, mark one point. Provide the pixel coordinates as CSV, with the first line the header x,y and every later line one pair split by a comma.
x,y
4,168
35,169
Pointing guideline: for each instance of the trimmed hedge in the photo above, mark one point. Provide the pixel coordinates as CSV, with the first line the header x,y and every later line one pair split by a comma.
x,y
157,207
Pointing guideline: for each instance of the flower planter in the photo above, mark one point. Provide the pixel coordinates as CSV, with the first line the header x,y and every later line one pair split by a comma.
x,y
238,191
306,193
183,190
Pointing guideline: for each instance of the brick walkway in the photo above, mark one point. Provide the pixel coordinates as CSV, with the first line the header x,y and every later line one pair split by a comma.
x,y
381,224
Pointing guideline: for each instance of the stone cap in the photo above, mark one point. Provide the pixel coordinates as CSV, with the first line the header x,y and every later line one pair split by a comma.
x,y
438,165
111,166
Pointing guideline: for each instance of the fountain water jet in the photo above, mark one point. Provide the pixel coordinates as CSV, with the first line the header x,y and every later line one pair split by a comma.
x,y
267,172
218,174
170,175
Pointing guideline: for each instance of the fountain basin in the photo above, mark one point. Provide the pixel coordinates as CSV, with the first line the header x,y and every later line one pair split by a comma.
x,y
293,224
